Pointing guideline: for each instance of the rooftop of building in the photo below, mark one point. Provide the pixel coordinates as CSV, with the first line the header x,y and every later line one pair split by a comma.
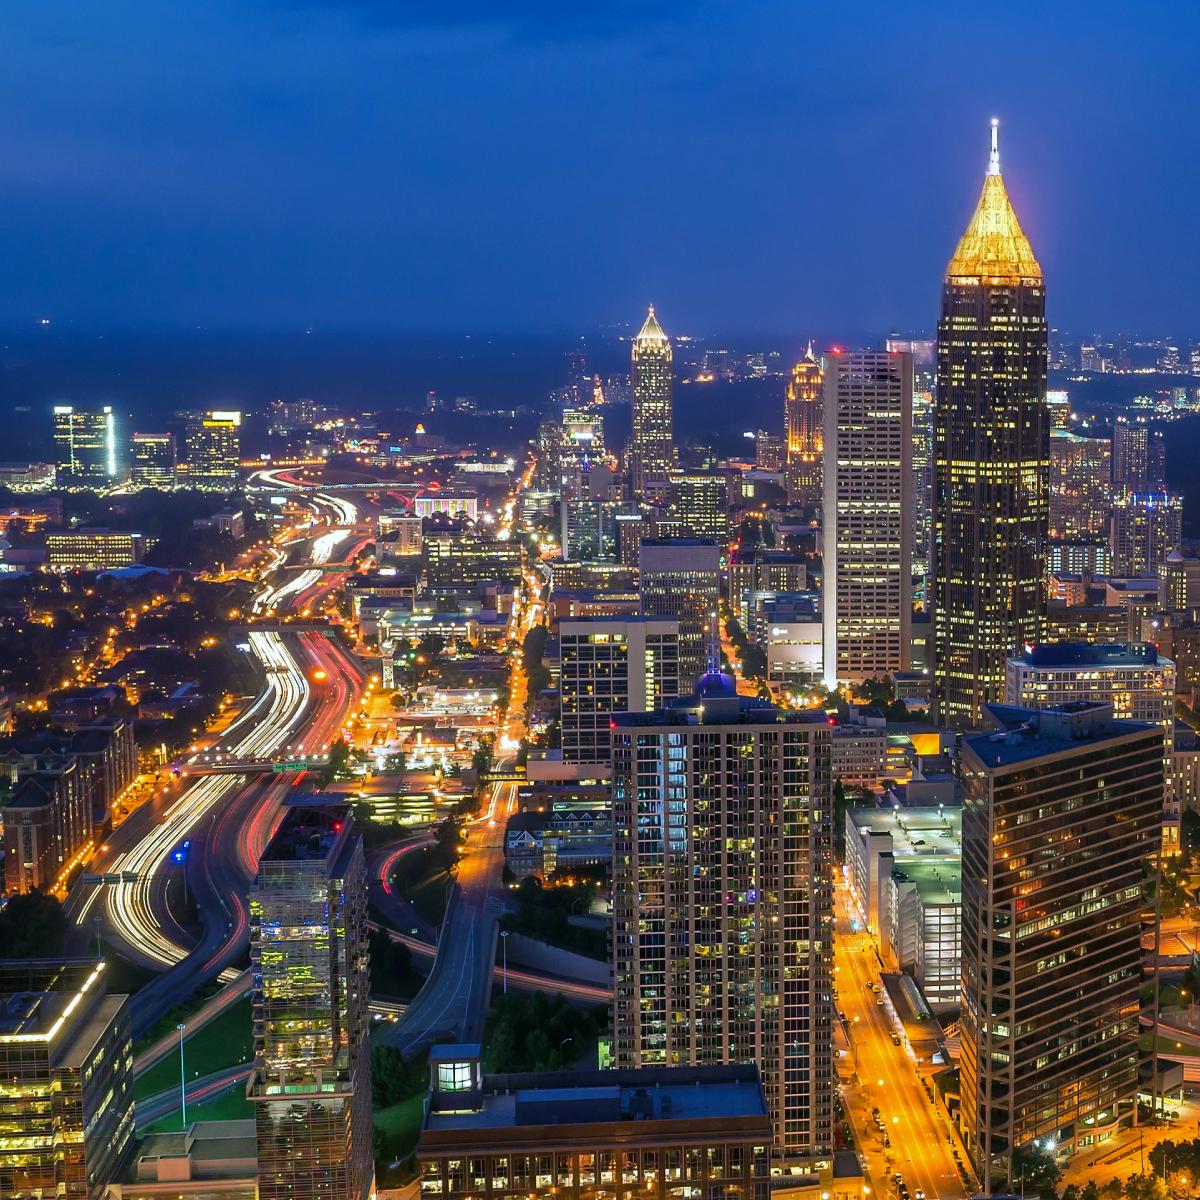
x,y
1084,654
716,702
37,994
1023,734
682,1095
937,882
308,830
918,833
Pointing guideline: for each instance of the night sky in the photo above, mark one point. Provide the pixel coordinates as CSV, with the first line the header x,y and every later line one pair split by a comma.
x,y
752,168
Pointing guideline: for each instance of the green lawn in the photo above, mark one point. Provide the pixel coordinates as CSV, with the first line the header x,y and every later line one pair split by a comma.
x,y
224,1042
232,1106
400,1126
428,897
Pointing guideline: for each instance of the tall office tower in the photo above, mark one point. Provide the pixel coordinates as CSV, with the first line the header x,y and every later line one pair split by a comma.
x,y
213,443
922,482
1143,530
700,499
608,666
681,578
1061,809
85,443
1080,491
867,514
154,460
722,898
66,1103
311,1086
652,448
802,413
1129,455
1059,404
991,504
770,450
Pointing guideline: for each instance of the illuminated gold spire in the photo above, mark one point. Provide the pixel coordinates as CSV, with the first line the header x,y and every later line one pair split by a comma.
x,y
652,331
994,248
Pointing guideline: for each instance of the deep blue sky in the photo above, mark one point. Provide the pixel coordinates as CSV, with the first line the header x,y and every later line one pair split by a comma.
x,y
752,167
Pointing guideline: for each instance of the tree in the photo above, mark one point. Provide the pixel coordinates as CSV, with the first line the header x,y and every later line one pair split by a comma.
x,y
1037,1170
32,925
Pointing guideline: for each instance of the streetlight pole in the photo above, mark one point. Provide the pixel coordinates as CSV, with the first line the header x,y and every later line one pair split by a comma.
x,y
182,1077
504,950
98,922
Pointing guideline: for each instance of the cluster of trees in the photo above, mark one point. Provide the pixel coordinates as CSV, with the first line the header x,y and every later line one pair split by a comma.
x,y
530,1031
544,913
537,674
391,966
752,655
32,925
878,693
1177,1186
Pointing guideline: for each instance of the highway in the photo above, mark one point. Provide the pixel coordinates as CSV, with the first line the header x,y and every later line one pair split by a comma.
x,y
887,1079
455,998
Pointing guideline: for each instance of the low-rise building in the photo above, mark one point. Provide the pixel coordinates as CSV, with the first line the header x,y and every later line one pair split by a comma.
x,y
653,1132
95,549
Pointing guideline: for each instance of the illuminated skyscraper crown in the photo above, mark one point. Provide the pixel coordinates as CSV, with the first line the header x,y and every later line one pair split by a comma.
x,y
652,331
994,248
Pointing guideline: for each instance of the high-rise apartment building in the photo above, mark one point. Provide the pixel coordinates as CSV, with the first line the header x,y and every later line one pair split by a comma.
x,y
922,485
1144,528
66,1061
1080,488
722,899
610,666
991,458
311,1084
681,578
213,443
1138,457
867,514
85,443
802,416
652,447
154,460
1062,809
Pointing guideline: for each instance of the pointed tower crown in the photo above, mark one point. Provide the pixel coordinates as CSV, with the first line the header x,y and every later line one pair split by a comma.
x,y
652,331
994,247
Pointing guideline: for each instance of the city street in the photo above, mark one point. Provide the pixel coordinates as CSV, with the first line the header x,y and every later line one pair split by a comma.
x,y
888,1079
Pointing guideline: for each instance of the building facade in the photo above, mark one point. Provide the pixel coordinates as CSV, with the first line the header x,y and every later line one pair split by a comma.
x,y
154,460
95,549
1145,528
213,442
802,419
652,452
86,446
1080,487
681,578
722,899
607,667
66,1065
311,1083
991,458
1062,808
867,514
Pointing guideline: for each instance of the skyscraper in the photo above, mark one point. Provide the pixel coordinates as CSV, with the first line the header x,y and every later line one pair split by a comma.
x,y
1138,457
1061,810
700,499
802,413
991,458
213,443
722,899
867,514
652,447
311,1085
1080,492
154,460
609,666
681,578
85,442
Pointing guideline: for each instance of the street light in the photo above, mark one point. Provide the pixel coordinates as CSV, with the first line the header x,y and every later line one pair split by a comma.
x,y
504,949
182,1078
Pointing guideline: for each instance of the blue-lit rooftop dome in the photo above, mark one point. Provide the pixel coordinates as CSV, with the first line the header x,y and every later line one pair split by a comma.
x,y
716,683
